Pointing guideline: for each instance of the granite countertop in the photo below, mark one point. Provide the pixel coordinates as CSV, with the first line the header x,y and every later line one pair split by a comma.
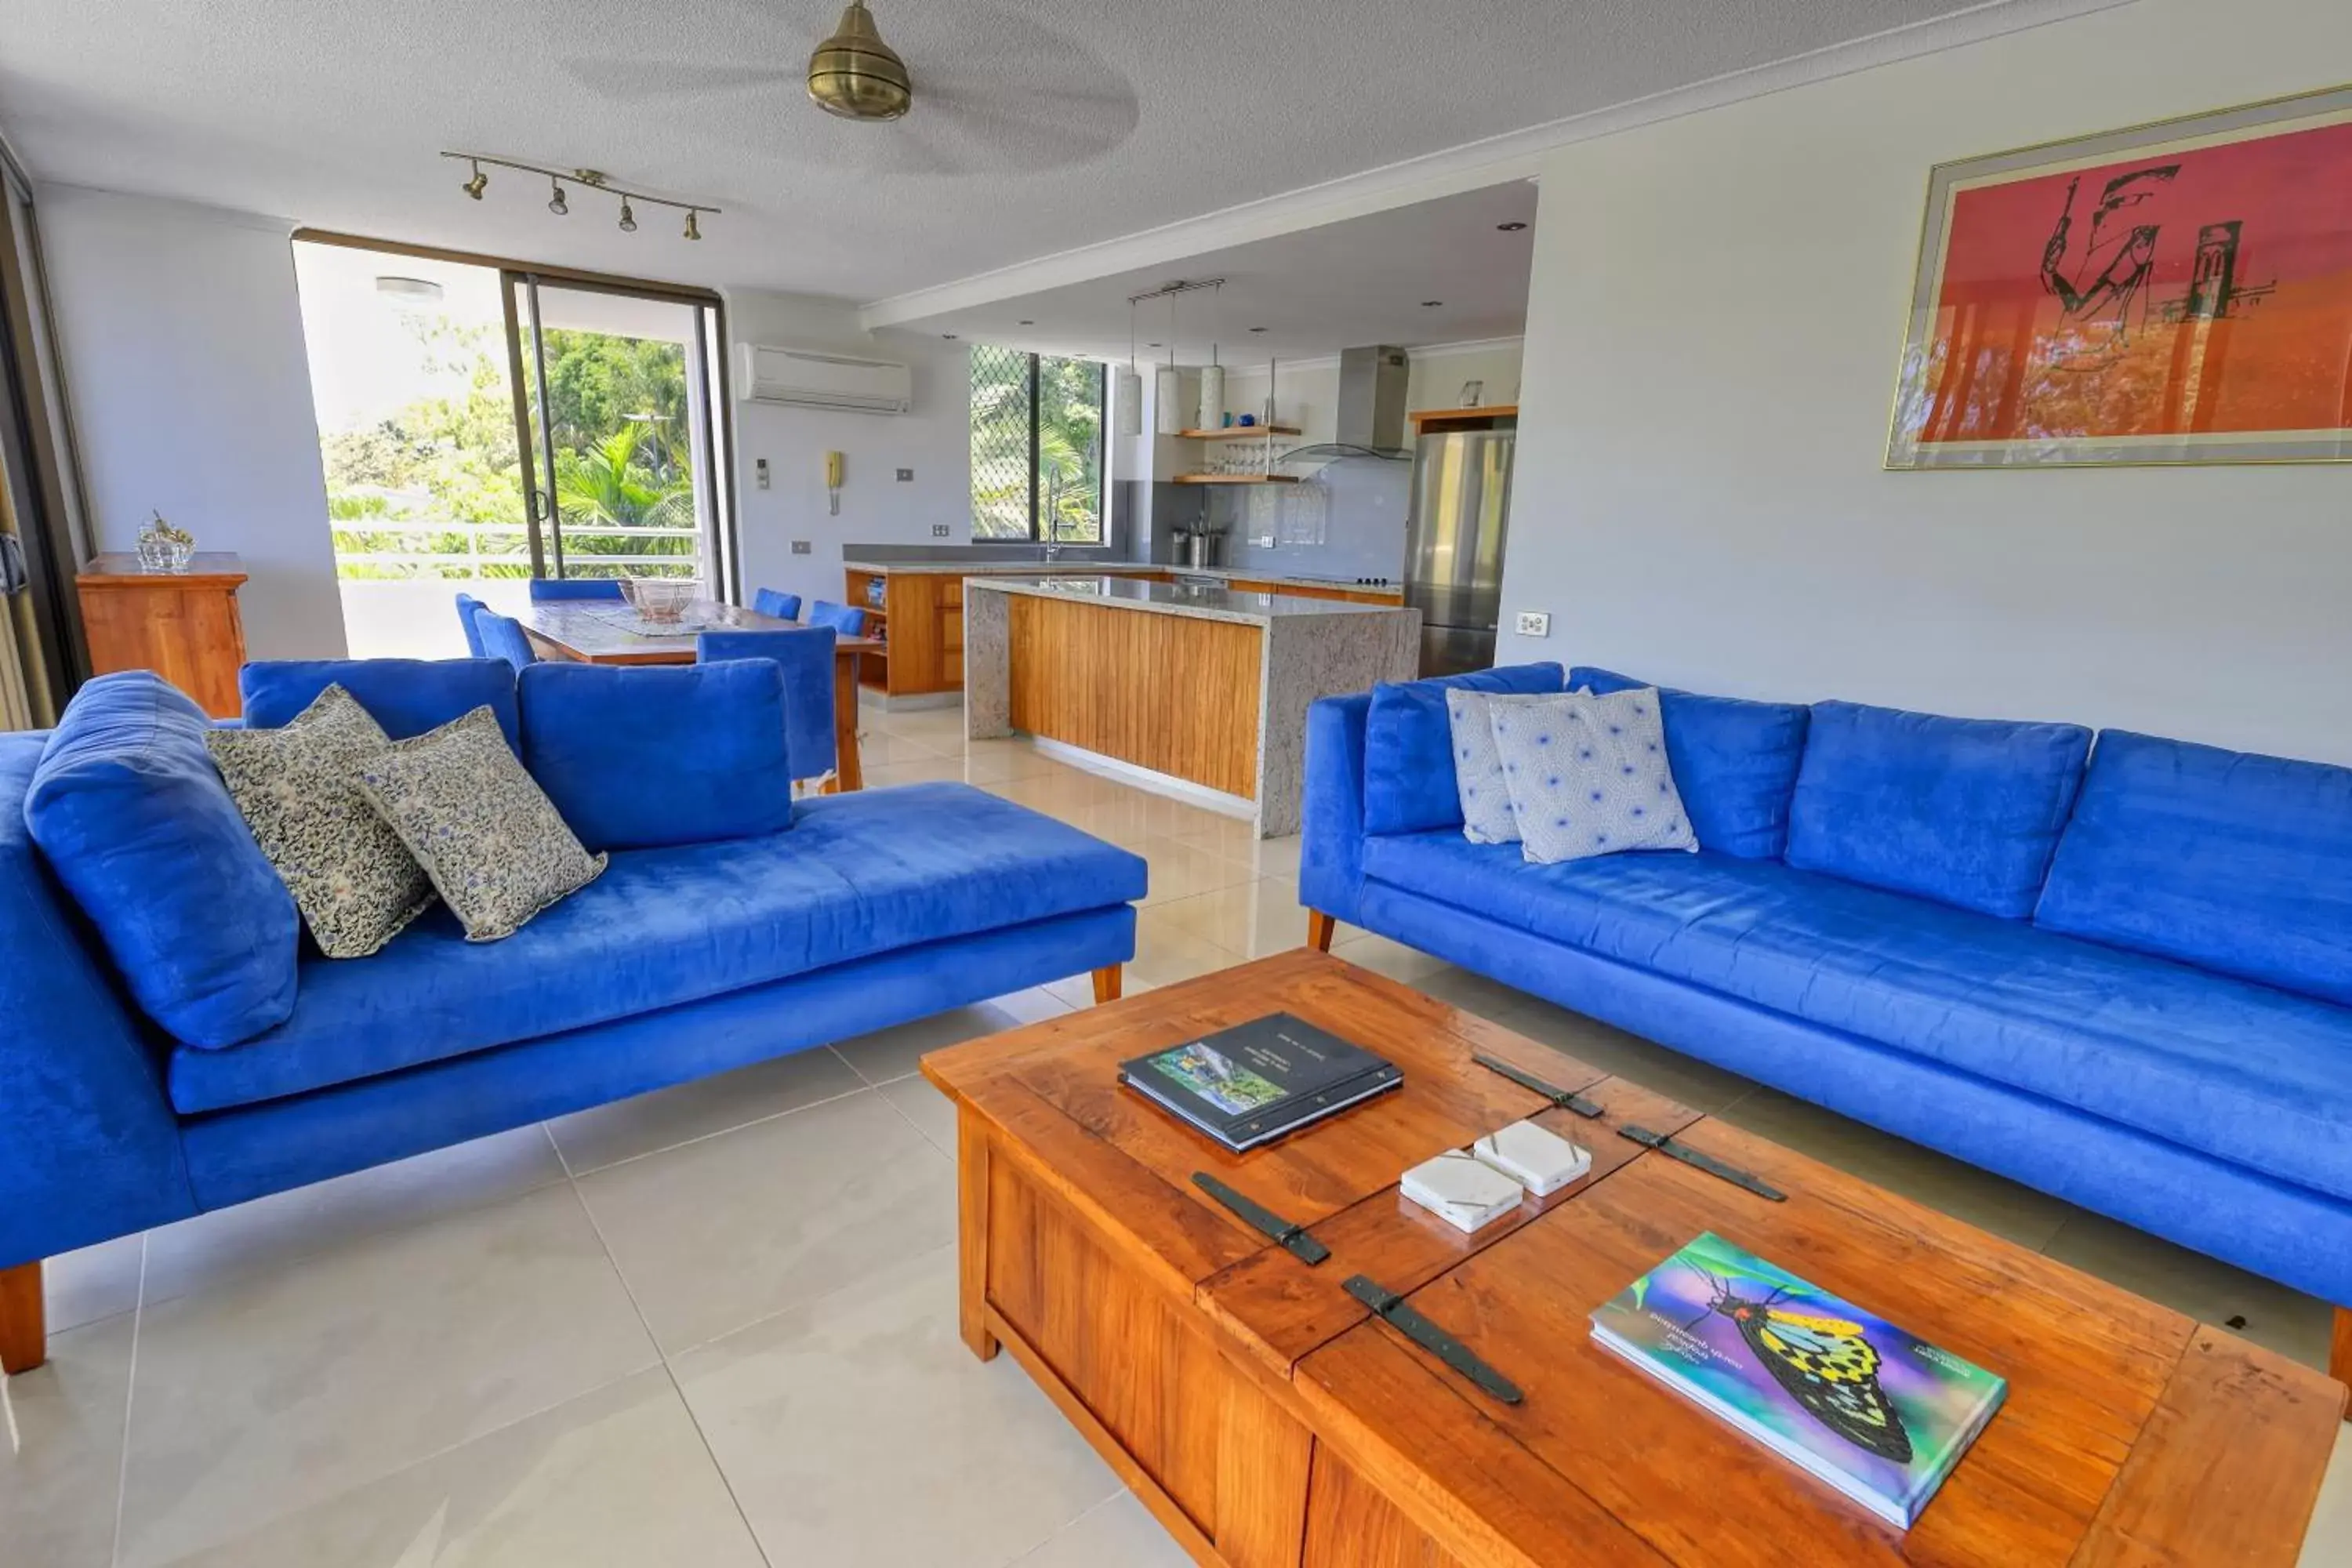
x,y
1175,599
1111,568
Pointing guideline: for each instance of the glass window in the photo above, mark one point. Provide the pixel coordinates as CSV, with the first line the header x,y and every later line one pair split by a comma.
x,y
1036,446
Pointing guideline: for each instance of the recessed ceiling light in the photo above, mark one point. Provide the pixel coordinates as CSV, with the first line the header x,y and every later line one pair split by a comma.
x,y
1257,328
1028,322
1431,304
949,336
1510,228
408,291
1151,345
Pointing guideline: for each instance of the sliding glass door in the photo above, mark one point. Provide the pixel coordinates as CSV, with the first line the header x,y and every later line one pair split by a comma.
x,y
483,424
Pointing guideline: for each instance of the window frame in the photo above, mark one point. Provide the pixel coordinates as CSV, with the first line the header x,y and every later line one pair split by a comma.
x,y
1032,363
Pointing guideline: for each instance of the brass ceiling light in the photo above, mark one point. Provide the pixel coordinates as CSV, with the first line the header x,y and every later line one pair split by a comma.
x,y
478,184
855,74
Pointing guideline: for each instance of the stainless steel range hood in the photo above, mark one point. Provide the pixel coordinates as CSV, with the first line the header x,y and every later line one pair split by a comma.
x,y
1372,398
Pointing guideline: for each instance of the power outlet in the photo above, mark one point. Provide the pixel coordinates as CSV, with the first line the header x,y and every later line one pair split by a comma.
x,y
1535,623
800,547
905,476
938,530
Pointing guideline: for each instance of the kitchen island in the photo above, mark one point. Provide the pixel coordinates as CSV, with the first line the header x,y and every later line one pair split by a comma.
x,y
1207,689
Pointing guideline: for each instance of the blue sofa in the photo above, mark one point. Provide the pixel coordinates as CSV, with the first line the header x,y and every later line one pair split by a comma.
x,y
119,1113
2122,976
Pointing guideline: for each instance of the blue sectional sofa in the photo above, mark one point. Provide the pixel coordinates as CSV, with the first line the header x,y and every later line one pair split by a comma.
x,y
690,958
2121,974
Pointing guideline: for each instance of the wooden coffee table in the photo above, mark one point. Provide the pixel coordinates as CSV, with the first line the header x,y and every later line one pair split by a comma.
x,y
1267,1418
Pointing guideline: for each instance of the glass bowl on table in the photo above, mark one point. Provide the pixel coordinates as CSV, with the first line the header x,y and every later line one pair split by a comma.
x,y
660,601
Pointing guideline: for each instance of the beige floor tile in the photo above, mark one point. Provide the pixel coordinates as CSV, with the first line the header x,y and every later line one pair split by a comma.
x,y
933,1115
271,1233
859,1432
1978,1197
893,1053
616,1478
1184,871
1163,955
1000,762
721,1233
883,748
62,1449
94,1282
1239,841
279,1393
2329,1544
2205,1288
1120,1534
914,769
1693,1083
1392,959
1251,918
1062,789
626,1129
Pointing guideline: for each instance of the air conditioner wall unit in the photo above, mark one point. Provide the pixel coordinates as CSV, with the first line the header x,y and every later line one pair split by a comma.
x,y
811,378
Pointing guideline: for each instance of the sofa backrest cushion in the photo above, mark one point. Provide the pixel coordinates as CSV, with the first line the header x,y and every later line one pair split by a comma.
x,y
133,819
2223,860
1963,811
1735,762
406,696
1409,745
639,757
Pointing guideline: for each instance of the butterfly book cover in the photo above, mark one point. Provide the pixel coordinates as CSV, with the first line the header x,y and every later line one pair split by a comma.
x,y
1876,1412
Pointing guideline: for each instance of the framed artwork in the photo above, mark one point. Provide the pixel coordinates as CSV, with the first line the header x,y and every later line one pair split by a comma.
x,y
2176,293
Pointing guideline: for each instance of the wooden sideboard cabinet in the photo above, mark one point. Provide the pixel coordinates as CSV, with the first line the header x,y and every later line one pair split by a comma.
x,y
183,626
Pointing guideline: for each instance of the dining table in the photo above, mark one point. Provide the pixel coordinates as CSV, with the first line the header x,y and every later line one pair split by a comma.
x,y
589,631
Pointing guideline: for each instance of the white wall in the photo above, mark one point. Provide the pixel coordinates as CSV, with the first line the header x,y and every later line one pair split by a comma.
x,y
1437,374
1718,307
181,337
935,440
1308,396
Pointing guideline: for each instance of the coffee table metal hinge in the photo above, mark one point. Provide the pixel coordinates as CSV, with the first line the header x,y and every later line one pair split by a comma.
x,y
1293,1238
1665,1144
1564,1099
1393,1309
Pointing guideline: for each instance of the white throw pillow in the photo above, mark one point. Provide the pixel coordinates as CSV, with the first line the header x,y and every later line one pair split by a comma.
x,y
1478,770
1588,775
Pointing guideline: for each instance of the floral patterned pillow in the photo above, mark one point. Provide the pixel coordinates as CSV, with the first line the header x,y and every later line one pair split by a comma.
x,y
355,881
485,832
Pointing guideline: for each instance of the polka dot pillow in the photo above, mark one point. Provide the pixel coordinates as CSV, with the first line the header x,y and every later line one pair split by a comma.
x,y
1477,770
1588,775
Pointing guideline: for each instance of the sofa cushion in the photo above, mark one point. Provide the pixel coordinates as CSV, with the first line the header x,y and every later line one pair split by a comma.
x,y
2242,1072
2224,859
132,817
1409,745
639,758
1964,811
406,696
1735,762
858,874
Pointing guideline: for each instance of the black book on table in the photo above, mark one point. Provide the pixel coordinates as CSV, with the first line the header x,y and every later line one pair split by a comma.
x,y
1256,1081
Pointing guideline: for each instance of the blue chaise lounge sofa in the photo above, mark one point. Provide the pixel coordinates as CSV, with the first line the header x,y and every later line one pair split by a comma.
x,y
2120,973
681,960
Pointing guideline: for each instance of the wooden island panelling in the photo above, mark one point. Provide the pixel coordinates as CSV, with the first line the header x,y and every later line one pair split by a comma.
x,y
1165,692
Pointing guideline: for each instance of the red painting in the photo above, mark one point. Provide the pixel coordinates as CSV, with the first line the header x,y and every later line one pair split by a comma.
x,y
2188,301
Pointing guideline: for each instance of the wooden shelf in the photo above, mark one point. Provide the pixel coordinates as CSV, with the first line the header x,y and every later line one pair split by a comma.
x,y
1234,479
1234,432
1428,416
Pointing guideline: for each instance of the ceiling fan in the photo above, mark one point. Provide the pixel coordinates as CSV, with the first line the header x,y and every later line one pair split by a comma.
x,y
991,91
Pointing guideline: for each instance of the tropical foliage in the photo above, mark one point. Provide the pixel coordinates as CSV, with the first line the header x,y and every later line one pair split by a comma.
x,y
1068,457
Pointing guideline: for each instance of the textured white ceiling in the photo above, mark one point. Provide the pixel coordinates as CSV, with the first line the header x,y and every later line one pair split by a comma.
x,y
1040,125
1313,291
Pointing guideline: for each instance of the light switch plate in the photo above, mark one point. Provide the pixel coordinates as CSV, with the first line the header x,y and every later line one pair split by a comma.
x,y
938,530
800,547
762,470
905,476
1535,623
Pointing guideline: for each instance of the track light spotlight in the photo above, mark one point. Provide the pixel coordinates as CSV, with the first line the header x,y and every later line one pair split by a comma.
x,y
693,229
478,184
561,182
556,204
628,218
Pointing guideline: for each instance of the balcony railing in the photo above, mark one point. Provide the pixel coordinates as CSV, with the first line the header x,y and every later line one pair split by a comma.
x,y
504,560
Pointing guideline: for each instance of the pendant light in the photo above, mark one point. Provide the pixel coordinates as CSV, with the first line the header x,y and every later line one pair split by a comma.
x,y
1168,393
1127,402
1212,375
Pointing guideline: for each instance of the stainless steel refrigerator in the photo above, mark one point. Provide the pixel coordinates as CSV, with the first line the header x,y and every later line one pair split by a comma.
x,y
1453,546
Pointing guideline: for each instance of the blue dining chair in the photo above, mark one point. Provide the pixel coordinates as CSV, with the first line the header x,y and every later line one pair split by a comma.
x,y
849,620
467,606
777,604
807,655
502,637
546,588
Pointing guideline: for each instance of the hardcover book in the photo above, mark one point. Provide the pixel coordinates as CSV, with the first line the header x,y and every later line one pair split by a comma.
x,y
1876,1412
1256,1081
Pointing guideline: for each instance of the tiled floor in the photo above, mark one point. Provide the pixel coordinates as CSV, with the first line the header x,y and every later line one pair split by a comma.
x,y
715,1326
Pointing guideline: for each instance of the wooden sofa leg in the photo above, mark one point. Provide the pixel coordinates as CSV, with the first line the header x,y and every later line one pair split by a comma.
x,y
2339,1352
1106,982
24,1325
1319,927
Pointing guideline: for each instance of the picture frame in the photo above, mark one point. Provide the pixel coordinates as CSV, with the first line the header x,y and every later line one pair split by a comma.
x,y
2173,293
